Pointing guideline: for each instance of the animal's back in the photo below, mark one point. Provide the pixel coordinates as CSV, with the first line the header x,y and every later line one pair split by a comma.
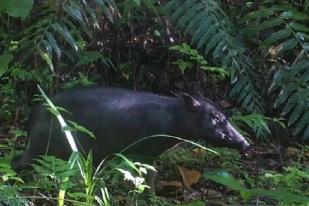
x,y
117,117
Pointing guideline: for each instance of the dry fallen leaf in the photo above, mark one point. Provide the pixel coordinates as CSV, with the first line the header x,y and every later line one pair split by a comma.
x,y
291,152
189,177
199,151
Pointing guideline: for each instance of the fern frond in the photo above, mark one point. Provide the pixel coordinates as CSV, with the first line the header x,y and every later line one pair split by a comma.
x,y
284,33
88,57
52,35
294,95
215,35
257,122
287,27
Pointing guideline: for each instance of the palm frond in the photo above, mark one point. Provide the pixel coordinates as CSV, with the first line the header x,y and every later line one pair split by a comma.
x,y
285,25
53,37
216,36
283,33
293,95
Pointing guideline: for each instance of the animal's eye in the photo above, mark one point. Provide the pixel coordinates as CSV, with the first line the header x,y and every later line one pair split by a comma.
x,y
216,119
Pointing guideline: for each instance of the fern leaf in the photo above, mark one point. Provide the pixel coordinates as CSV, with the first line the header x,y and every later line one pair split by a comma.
x,y
269,24
288,45
302,123
299,110
64,32
75,12
290,104
213,33
275,37
299,27
52,41
284,33
284,94
287,22
294,95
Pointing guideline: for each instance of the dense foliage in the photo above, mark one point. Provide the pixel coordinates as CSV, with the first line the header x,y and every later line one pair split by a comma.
x,y
254,53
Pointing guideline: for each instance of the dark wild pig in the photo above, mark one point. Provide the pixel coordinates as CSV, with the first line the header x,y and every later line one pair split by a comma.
x,y
119,117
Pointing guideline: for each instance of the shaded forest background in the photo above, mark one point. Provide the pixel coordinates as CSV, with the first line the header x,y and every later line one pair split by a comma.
x,y
250,57
254,52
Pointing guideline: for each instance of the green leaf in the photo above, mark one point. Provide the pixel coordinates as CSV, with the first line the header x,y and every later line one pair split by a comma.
x,y
262,12
181,9
291,104
183,65
288,45
237,88
293,15
243,94
62,30
5,60
205,37
190,12
195,22
128,162
197,203
284,94
22,74
53,43
298,68
218,70
73,9
228,181
16,8
129,6
213,32
299,27
224,178
219,49
269,24
255,121
80,128
297,112
213,42
277,81
202,31
302,123
277,36
87,57
246,101
47,59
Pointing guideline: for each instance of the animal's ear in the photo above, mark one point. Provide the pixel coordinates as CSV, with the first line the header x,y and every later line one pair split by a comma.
x,y
200,94
191,103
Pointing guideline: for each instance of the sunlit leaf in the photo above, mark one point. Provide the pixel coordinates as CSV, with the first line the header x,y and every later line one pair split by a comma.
x,y
47,59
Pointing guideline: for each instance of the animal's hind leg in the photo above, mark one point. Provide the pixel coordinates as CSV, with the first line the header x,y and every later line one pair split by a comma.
x,y
22,161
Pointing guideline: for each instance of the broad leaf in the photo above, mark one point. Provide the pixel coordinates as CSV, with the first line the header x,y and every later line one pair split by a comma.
x,y
5,59
16,8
